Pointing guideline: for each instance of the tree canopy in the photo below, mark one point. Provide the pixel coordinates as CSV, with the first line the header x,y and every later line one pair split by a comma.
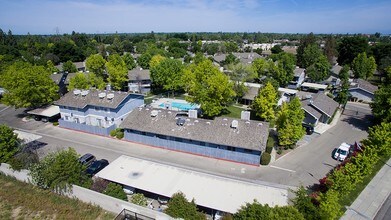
x,y
57,171
96,64
266,102
381,104
363,66
179,207
208,87
168,74
34,87
118,72
289,123
86,81
350,47
257,211
143,60
69,67
9,143
320,70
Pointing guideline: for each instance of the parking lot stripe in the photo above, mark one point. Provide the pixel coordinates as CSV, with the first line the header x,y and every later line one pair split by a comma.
x,y
283,169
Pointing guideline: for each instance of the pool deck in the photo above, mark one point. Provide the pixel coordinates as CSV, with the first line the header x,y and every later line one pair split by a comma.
x,y
157,103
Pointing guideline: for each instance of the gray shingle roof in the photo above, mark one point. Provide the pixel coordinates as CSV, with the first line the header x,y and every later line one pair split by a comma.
x,y
220,57
364,85
92,98
251,93
139,74
56,77
324,103
312,111
248,135
297,72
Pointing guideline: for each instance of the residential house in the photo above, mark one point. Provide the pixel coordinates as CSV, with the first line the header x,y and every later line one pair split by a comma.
x,y
361,90
96,111
80,66
239,140
139,80
246,58
298,78
251,93
318,107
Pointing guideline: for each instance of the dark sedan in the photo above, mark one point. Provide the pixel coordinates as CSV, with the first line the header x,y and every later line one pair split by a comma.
x,y
96,166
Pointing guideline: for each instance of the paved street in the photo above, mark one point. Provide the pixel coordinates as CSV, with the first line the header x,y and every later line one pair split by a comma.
x,y
303,166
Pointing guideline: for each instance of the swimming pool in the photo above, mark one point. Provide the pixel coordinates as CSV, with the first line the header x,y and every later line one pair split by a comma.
x,y
181,106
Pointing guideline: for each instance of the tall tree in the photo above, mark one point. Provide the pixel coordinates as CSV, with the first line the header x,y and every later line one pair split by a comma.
x,y
9,143
289,123
287,64
179,207
350,47
257,211
129,61
311,55
302,202
379,139
168,74
329,207
304,42
144,60
34,87
320,70
155,60
276,49
208,87
50,67
239,74
96,64
266,102
57,171
86,81
363,66
381,104
330,49
69,67
118,73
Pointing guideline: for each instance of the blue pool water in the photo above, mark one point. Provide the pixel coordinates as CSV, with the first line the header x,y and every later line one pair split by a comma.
x,y
181,106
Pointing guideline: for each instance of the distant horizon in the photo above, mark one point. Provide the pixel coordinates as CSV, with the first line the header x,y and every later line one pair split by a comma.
x,y
193,32
49,17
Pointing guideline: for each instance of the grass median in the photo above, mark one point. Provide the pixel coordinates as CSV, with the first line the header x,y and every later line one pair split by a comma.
x,y
19,200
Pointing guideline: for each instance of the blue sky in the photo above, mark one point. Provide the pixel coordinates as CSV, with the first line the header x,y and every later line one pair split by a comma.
x,y
128,16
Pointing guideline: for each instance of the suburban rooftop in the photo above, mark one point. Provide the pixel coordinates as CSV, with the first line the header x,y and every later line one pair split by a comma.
x,y
82,98
249,134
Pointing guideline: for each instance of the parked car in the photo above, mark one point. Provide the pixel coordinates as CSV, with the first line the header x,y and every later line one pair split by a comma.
x,y
129,190
163,200
309,129
342,152
87,159
96,166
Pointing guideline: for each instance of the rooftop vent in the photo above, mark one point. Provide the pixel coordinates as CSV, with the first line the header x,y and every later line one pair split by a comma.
x,y
154,113
110,96
84,92
76,92
180,121
102,95
245,115
234,124
192,113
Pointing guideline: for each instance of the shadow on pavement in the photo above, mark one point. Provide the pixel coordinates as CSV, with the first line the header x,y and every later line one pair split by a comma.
x,y
361,123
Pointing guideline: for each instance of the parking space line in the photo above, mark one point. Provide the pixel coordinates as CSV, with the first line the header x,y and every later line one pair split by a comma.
x,y
4,109
280,168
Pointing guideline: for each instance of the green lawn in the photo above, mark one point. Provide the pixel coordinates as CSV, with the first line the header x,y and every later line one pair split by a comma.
x,y
349,199
19,200
232,112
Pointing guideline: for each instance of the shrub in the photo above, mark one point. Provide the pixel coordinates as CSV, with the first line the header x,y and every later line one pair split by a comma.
x,y
120,134
99,185
139,199
115,190
279,151
55,123
269,149
265,158
113,133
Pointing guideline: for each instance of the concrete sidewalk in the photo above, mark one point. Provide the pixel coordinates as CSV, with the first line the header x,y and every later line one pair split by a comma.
x,y
322,127
372,197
